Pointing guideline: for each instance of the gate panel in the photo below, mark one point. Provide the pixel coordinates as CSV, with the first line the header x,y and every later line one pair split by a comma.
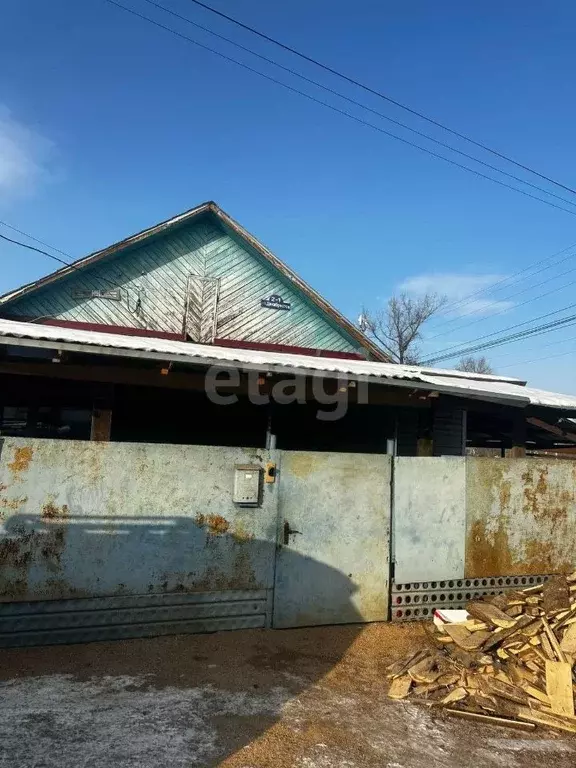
x,y
132,534
429,518
333,549
521,516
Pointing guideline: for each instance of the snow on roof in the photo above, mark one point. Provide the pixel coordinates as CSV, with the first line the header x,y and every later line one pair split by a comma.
x,y
458,383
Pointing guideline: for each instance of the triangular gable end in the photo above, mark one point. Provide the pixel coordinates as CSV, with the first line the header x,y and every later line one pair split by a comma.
x,y
199,273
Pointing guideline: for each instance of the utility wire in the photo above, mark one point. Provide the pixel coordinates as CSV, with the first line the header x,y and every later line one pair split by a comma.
x,y
355,102
36,240
511,327
538,359
375,92
45,253
514,306
502,281
343,112
535,331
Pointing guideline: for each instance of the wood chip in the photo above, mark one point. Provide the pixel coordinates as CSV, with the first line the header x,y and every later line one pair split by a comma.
x,y
490,614
497,637
559,687
568,642
456,695
491,719
468,641
400,687
494,687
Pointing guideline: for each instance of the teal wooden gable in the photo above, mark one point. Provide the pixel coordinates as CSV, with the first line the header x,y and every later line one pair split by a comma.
x,y
200,274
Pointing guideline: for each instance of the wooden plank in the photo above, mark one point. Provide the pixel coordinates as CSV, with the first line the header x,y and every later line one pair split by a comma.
x,y
547,647
494,687
497,637
559,687
555,595
504,722
490,614
542,718
400,687
468,641
553,640
568,642
458,694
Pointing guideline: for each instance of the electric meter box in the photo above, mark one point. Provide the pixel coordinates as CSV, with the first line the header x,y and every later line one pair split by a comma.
x,y
247,484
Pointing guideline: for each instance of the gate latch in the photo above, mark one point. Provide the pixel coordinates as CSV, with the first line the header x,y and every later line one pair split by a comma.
x,y
288,532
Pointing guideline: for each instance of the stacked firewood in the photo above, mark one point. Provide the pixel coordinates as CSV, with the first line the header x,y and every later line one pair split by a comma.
x,y
509,663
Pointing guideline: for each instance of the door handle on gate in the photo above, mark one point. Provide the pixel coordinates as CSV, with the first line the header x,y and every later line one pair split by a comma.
x,y
288,531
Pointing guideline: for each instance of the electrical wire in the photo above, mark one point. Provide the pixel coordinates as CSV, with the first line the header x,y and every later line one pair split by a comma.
x,y
517,325
539,359
513,306
45,253
354,101
343,112
375,92
502,281
536,331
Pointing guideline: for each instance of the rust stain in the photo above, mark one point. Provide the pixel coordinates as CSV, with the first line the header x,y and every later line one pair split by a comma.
x,y
215,525
35,548
22,459
241,535
51,512
13,504
487,554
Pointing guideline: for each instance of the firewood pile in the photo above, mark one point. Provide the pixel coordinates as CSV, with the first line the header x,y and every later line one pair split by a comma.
x,y
510,663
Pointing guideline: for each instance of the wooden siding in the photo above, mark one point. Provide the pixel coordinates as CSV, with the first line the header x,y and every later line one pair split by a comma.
x,y
200,277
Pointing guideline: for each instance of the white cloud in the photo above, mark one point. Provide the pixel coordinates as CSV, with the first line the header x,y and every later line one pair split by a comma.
x,y
24,157
457,287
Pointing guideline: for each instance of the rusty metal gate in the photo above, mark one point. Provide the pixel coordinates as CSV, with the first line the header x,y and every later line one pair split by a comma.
x,y
111,540
333,554
464,527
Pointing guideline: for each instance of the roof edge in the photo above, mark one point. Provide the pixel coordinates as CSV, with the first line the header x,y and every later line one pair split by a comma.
x,y
207,207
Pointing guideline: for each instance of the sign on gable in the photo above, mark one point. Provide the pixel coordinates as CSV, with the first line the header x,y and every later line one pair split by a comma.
x,y
275,302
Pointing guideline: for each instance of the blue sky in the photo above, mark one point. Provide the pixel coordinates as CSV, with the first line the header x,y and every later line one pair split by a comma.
x,y
109,125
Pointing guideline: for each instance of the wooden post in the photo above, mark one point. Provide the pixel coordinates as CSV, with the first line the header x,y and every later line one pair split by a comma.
x,y
518,450
102,413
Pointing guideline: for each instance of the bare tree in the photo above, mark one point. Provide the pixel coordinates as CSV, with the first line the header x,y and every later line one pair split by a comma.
x,y
397,327
475,365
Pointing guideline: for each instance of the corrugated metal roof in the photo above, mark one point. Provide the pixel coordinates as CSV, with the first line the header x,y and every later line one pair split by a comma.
x,y
172,296
455,383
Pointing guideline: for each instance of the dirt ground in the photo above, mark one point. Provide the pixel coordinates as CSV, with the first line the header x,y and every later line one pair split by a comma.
x,y
311,698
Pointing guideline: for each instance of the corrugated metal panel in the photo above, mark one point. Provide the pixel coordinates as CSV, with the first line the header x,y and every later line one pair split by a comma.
x,y
36,335
154,279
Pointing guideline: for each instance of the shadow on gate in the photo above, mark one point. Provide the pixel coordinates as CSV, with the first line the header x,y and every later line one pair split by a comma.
x,y
62,557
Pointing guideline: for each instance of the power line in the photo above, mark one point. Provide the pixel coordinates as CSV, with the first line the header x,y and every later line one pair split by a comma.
x,y
45,253
32,248
537,349
535,331
511,327
491,286
514,306
36,240
354,101
343,112
374,92
538,359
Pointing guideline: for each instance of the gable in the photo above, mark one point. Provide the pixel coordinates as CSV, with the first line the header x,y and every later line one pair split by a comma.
x,y
202,276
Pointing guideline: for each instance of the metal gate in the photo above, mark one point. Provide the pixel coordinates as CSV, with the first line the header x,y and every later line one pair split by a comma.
x,y
112,540
333,550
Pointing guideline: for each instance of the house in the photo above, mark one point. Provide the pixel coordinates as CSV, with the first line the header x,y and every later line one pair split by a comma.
x,y
202,284
191,439
198,276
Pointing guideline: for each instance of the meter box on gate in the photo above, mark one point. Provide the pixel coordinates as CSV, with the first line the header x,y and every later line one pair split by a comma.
x,y
247,484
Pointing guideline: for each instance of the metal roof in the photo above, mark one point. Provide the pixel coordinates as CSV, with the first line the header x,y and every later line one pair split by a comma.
x,y
456,383
228,223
